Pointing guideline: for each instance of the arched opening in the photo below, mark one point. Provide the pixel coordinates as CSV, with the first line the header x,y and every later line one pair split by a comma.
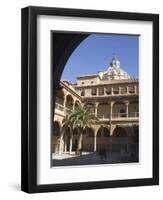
x,y
133,109
131,89
56,135
56,128
103,139
119,110
119,132
88,139
75,139
120,140
103,110
134,143
91,107
69,103
136,133
66,138
77,104
106,132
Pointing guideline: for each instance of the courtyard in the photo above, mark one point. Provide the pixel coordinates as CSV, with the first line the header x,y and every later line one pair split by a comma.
x,y
93,158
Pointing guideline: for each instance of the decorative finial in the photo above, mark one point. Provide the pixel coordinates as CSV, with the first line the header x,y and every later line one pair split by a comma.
x,y
115,62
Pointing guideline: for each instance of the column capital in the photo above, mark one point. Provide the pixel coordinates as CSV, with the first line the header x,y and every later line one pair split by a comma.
x,y
126,103
112,103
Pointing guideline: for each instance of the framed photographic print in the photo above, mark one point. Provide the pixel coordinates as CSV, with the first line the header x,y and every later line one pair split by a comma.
x,y
90,99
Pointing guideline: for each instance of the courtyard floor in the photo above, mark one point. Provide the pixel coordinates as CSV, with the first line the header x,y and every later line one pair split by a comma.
x,y
92,158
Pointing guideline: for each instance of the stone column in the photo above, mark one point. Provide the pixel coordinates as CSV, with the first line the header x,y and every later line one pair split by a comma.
x,y
73,108
96,106
65,145
127,90
111,91
104,90
127,103
64,103
97,91
135,89
111,109
111,129
70,148
61,142
95,143
119,90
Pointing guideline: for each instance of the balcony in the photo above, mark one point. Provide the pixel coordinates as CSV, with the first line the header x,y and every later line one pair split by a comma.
x,y
124,115
63,110
115,116
119,117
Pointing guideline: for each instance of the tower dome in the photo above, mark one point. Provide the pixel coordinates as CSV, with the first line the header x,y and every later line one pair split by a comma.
x,y
114,72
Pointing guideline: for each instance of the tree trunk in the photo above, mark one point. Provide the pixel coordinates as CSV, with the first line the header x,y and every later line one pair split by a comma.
x,y
71,138
61,142
80,141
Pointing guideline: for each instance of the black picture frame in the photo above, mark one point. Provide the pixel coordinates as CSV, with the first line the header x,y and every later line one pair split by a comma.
x,y
29,99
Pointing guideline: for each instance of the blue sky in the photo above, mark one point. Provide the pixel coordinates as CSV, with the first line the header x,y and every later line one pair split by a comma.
x,y
96,52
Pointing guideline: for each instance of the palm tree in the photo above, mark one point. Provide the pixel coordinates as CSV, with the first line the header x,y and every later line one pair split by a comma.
x,y
82,117
68,122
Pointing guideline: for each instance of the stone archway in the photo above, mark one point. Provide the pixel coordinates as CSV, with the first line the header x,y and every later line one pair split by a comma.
x,y
75,139
88,139
77,104
120,140
103,138
119,132
69,103
135,141
66,139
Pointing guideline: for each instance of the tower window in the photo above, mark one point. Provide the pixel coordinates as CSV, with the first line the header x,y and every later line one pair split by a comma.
x,y
101,91
108,90
82,93
131,89
116,90
94,91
